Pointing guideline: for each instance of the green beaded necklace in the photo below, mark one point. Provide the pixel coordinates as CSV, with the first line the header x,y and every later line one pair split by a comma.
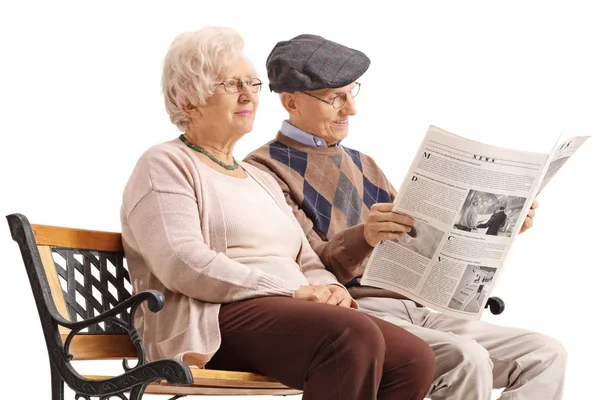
x,y
207,154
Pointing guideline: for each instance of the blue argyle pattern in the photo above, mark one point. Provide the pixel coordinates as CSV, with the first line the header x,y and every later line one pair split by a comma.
x,y
334,187
295,159
373,194
317,208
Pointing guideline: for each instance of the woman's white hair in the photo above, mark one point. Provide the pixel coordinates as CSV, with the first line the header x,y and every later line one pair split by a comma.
x,y
193,64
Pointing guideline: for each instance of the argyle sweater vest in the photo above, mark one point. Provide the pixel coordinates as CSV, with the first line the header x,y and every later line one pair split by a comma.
x,y
330,191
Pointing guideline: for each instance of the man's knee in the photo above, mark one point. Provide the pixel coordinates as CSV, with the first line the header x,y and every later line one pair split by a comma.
x,y
548,348
464,355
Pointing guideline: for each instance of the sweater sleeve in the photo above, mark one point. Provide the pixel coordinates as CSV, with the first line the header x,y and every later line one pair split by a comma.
x,y
343,254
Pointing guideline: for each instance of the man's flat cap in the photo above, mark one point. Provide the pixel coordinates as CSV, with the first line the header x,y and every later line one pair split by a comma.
x,y
310,62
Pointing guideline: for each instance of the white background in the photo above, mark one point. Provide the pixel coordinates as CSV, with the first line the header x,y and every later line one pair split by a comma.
x,y
80,101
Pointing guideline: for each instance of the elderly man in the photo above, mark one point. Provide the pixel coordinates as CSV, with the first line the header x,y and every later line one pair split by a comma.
x,y
342,200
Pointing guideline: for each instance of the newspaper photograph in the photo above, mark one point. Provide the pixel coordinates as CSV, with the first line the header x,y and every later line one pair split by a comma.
x,y
468,201
489,213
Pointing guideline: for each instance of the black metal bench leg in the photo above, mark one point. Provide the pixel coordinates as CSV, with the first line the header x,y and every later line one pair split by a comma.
x,y
58,386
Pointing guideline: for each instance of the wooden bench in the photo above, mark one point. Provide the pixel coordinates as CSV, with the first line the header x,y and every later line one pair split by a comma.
x,y
83,295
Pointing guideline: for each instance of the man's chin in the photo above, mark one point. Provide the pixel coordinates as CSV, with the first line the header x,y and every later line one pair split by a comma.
x,y
341,135
340,130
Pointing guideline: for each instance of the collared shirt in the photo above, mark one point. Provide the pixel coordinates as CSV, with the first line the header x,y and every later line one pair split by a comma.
x,y
305,138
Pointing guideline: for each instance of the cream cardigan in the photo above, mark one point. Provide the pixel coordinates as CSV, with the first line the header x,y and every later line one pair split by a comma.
x,y
174,239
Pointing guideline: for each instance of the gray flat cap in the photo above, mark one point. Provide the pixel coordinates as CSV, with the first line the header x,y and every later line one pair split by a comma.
x,y
310,62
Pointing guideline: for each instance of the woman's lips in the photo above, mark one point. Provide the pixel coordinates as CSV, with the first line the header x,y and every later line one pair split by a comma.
x,y
245,113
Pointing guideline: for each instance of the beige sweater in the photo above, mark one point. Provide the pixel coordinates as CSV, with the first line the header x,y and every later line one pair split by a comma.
x,y
175,241
246,206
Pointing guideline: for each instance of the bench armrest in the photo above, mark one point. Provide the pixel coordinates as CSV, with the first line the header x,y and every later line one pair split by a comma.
x,y
136,378
155,300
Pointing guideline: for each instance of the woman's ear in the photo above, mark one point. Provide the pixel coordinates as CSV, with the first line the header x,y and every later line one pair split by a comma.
x,y
191,110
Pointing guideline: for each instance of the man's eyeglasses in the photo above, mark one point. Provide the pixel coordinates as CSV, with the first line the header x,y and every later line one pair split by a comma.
x,y
237,85
339,101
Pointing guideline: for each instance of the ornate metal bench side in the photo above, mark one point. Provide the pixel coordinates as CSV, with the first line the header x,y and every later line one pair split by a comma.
x,y
116,319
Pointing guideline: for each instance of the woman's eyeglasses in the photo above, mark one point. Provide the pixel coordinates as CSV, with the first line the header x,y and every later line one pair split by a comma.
x,y
237,85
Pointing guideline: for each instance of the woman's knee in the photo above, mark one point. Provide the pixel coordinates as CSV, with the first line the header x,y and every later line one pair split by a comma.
x,y
423,361
364,337
413,359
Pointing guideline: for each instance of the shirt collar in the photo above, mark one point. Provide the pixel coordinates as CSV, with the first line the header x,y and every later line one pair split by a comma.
x,y
305,138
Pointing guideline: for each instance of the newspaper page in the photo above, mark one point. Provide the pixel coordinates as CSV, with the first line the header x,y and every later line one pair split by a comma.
x,y
468,200
559,157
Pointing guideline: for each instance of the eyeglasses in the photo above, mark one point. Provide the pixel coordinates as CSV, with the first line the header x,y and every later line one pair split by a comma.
x,y
339,101
237,85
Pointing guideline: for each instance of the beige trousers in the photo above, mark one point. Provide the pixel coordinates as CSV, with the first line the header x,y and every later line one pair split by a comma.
x,y
472,357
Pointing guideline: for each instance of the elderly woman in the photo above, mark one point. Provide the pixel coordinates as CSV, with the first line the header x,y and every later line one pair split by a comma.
x,y
243,288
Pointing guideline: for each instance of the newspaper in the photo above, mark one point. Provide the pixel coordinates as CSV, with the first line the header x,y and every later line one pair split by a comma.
x,y
468,200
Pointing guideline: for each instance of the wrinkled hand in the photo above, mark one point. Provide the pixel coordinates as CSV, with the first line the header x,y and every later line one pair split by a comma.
x,y
325,294
529,220
315,293
384,224
340,296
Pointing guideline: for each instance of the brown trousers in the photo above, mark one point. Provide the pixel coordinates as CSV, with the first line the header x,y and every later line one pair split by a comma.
x,y
329,352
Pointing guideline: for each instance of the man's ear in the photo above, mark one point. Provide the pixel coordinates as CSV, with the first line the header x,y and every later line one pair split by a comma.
x,y
289,102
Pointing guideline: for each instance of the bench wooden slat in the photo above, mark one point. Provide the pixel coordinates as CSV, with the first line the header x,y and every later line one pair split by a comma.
x,y
192,390
209,377
55,289
46,235
212,382
101,347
